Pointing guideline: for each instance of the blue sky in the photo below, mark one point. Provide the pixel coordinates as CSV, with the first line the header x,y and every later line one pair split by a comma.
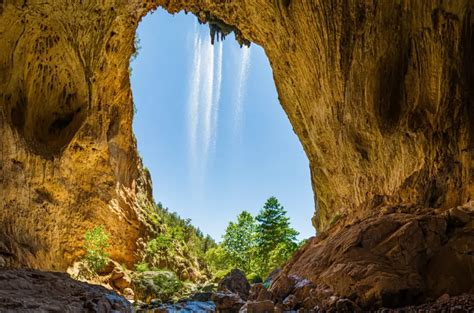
x,y
210,128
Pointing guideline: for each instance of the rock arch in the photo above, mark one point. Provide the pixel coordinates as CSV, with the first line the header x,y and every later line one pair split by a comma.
x,y
381,97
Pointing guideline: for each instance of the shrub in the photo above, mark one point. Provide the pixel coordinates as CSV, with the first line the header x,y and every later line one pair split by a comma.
x,y
96,240
161,244
254,278
142,267
156,284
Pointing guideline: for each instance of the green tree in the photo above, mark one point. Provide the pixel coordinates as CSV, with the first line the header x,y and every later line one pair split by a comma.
x,y
219,261
159,245
239,241
96,240
275,239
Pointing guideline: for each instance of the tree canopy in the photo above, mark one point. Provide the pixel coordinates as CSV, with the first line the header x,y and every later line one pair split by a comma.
x,y
255,245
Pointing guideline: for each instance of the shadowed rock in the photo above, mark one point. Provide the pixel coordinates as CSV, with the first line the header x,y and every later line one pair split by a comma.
x,y
35,291
235,282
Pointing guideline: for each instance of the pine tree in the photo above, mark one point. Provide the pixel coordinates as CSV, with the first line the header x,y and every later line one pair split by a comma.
x,y
275,239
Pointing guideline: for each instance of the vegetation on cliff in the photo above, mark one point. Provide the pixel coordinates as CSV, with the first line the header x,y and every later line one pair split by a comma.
x,y
96,240
178,246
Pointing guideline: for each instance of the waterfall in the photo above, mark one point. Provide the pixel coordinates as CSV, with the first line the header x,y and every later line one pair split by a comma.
x,y
194,95
241,87
204,98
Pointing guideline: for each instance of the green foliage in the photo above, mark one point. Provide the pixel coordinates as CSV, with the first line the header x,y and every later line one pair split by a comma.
x,y
179,246
255,246
276,240
142,267
136,48
96,240
239,241
218,260
278,256
156,284
161,244
254,278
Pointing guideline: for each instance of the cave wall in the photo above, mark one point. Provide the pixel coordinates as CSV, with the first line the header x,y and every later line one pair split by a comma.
x,y
68,155
379,93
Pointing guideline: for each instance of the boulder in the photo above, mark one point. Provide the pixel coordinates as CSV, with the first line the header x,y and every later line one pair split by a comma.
x,y
289,303
402,256
258,292
123,282
227,301
119,279
128,294
282,286
36,291
235,282
302,290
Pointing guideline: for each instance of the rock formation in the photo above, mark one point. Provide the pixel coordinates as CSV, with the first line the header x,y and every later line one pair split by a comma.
x,y
399,256
379,93
35,291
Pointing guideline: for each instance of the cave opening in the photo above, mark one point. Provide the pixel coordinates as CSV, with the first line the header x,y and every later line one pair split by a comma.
x,y
209,125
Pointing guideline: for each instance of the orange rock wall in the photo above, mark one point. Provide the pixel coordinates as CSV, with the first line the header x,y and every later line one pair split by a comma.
x,y
380,95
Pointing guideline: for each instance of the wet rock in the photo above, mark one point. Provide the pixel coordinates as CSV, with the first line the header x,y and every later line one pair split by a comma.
x,y
235,282
190,306
35,291
202,296
377,127
155,302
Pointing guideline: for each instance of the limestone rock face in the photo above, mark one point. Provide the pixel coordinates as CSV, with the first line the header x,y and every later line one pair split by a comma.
x,y
394,258
379,93
68,156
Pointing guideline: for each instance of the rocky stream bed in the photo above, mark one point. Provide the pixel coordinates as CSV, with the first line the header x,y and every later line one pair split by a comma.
x,y
35,291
